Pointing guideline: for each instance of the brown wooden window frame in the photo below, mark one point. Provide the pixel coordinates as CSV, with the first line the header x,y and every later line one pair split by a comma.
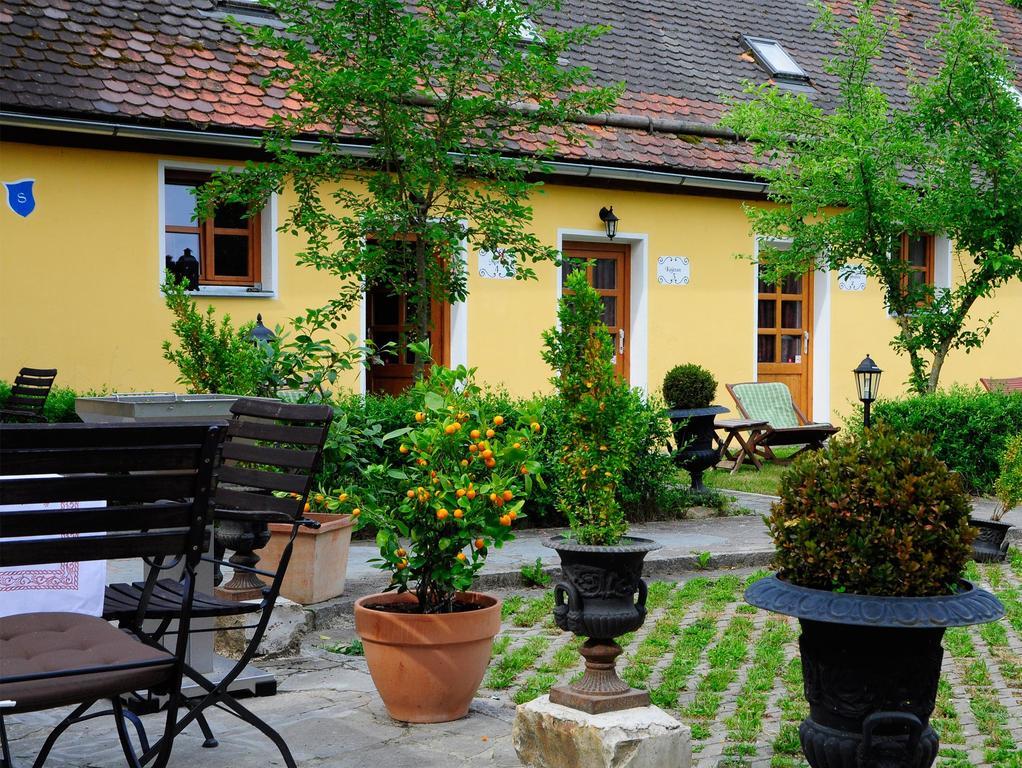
x,y
207,230
928,271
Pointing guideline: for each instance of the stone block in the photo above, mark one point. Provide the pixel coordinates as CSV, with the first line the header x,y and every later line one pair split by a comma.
x,y
547,735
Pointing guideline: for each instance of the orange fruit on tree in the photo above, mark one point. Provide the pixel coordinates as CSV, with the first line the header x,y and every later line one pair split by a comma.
x,y
356,512
535,426
491,463
517,445
473,448
449,429
474,434
459,513
498,420
401,565
464,462
490,433
403,449
499,502
480,543
319,498
487,454
505,520
470,493
400,552
420,417
512,514
410,494
493,497
524,470
508,495
307,508
342,497
460,492
441,514
461,556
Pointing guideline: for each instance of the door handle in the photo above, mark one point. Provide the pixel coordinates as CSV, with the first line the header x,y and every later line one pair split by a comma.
x,y
620,341
805,342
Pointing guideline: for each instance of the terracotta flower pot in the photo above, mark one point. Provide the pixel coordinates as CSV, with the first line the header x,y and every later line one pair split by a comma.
x,y
427,667
319,560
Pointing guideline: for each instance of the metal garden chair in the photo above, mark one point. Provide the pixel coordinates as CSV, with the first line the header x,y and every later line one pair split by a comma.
x,y
58,659
270,446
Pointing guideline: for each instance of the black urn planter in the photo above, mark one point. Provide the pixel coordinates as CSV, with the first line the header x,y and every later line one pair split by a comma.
x,y
870,666
600,596
991,544
693,434
243,538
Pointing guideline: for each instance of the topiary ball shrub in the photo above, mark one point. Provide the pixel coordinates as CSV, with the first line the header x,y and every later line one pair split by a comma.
x,y
873,514
689,386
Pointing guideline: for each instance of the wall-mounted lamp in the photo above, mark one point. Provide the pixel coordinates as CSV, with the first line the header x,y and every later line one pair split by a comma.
x,y
610,220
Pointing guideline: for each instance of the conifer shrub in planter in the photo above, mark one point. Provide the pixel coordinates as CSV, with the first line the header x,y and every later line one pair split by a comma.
x,y
601,594
465,473
689,391
872,535
991,544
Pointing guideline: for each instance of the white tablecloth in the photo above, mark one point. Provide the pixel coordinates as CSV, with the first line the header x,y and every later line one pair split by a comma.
x,y
73,587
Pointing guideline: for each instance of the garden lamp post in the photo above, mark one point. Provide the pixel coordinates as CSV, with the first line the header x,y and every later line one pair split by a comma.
x,y
259,332
867,381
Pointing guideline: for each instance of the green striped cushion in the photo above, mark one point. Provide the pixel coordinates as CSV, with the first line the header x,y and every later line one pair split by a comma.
x,y
768,401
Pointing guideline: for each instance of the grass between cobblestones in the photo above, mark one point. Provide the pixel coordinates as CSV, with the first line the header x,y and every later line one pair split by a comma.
x,y
732,673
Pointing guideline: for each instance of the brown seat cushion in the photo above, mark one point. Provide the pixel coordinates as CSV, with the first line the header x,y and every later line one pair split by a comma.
x,y
52,642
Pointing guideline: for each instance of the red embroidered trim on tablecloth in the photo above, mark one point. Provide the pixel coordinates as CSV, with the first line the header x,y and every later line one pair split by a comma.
x,y
58,576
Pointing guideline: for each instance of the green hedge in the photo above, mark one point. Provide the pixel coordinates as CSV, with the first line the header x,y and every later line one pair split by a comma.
x,y
59,407
650,489
969,428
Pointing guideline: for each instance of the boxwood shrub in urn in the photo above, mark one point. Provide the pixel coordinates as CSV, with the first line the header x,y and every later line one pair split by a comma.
x,y
872,535
467,472
601,594
689,391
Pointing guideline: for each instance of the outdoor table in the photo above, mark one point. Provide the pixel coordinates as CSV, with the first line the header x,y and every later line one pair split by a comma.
x,y
734,429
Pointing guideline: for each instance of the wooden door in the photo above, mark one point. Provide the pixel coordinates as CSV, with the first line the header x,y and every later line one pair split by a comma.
x,y
784,336
607,267
391,319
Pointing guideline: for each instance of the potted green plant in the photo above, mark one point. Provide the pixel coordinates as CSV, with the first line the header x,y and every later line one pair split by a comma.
x,y
465,474
689,391
601,594
991,544
872,535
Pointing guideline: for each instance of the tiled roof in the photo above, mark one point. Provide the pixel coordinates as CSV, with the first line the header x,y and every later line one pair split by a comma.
x,y
176,63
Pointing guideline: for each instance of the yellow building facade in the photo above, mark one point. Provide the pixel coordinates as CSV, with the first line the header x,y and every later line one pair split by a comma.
x,y
80,276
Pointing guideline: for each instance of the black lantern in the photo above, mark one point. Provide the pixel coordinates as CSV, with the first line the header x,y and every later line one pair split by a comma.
x,y
260,333
867,381
610,220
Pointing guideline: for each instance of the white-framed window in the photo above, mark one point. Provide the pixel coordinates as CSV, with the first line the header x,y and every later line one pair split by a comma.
x,y
227,254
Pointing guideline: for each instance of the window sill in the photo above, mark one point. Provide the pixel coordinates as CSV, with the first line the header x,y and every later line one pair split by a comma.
x,y
233,292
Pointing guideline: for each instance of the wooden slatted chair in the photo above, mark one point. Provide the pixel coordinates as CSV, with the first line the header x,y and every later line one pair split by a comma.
x,y
270,446
1002,385
770,401
59,659
28,395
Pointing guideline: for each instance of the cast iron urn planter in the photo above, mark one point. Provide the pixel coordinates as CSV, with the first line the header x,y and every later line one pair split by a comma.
x,y
693,434
601,595
991,543
870,666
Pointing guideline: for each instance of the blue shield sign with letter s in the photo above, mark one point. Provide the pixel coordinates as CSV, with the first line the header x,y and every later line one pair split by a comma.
x,y
20,198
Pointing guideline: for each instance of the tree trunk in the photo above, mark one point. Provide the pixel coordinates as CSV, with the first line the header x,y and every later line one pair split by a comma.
x,y
422,313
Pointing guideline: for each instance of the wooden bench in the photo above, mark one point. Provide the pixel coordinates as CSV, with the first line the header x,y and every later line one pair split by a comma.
x,y
1002,385
157,481
28,395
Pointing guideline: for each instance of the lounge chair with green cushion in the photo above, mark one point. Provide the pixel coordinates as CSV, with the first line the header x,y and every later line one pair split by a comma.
x,y
770,401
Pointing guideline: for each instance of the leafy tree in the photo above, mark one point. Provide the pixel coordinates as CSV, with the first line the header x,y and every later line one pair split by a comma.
x,y
433,97
848,182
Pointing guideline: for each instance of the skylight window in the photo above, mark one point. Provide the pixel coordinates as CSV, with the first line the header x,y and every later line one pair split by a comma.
x,y
775,60
248,8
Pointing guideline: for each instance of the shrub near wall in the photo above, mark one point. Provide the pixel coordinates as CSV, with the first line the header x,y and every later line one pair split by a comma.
x,y
649,489
969,428
60,405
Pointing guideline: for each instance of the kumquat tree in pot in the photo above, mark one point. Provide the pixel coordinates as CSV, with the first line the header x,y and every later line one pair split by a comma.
x,y
467,475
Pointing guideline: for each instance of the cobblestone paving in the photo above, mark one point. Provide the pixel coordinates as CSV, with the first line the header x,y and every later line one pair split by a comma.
x,y
732,673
